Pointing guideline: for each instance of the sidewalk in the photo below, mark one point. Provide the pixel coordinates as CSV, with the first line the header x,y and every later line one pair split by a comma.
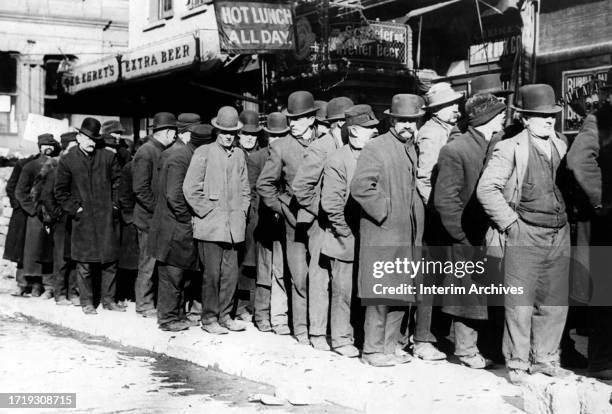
x,y
295,370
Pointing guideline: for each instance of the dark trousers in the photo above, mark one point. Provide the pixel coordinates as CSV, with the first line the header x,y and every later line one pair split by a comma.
x,y
422,325
297,263
144,288
170,293
65,279
600,338
536,259
382,329
220,280
85,278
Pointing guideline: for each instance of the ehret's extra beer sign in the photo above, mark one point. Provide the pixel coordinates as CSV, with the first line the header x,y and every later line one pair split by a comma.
x,y
254,27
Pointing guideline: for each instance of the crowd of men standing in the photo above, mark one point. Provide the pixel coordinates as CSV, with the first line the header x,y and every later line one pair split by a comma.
x,y
234,221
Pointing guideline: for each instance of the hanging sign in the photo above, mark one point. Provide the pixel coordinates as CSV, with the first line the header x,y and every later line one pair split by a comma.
x,y
92,74
254,27
581,87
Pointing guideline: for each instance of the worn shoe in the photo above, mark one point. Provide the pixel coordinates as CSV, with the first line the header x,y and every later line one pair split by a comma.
x,y
89,310
214,328
379,359
150,313
281,330
401,356
19,291
349,351
113,307
320,343
175,326
427,352
233,325
245,316
75,300
517,376
189,322
36,291
602,374
62,301
302,339
550,369
476,361
264,326
48,294
122,303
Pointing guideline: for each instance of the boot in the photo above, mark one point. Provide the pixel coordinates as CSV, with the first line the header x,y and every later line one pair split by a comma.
x,y
37,290
48,293
19,291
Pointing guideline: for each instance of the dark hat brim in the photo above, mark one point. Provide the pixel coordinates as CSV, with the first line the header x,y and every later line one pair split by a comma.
x,y
418,115
370,123
251,129
335,118
554,110
164,126
443,103
282,131
89,134
214,123
296,115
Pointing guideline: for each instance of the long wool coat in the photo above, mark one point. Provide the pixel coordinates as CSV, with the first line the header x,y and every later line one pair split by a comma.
x,y
38,242
217,189
392,217
15,236
90,182
145,167
128,256
460,165
170,232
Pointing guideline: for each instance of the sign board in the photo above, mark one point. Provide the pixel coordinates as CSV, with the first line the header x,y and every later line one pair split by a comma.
x,y
379,43
254,27
159,57
37,125
92,74
581,86
494,51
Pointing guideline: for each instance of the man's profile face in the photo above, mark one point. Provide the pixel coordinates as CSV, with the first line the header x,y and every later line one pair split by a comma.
x,y
301,124
449,114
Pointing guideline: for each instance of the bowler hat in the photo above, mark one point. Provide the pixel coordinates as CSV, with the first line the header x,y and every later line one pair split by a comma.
x,y
537,98
164,120
202,134
406,105
46,139
90,127
441,94
276,123
321,110
489,83
361,115
336,108
300,103
186,120
250,121
227,119
67,137
112,126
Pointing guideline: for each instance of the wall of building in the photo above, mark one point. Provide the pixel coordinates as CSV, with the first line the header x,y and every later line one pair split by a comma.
x,y
33,30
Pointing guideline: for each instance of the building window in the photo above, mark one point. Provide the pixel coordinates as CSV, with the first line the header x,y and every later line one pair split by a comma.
x,y
194,4
161,9
8,93
8,118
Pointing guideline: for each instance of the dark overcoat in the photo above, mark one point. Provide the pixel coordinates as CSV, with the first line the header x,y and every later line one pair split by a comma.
x,y
269,225
170,233
128,256
392,216
460,165
255,161
90,182
61,223
145,170
15,236
38,241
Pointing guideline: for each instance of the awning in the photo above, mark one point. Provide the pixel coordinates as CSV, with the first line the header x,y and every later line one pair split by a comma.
x,y
156,58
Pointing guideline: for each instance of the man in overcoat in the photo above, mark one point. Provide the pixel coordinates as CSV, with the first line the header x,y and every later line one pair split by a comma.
x,y
171,235
86,187
390,228
217,189
521,192
307,189
275,188
38,249
145,170
460,164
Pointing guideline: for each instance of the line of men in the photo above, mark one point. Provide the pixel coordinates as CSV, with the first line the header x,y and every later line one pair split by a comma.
x,y
313,210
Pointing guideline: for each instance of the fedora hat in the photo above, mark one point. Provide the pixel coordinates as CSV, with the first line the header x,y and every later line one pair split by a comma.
x,y
441,94
489,83
90,127
300,103
336,108
67,137
202,134
250,121
112,126
361,115
184,121
406,105
164,120
276,123
321,110
227,119
46,139
537,98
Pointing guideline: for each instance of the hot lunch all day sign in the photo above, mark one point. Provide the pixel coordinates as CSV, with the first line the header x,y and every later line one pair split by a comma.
x,y
254,27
